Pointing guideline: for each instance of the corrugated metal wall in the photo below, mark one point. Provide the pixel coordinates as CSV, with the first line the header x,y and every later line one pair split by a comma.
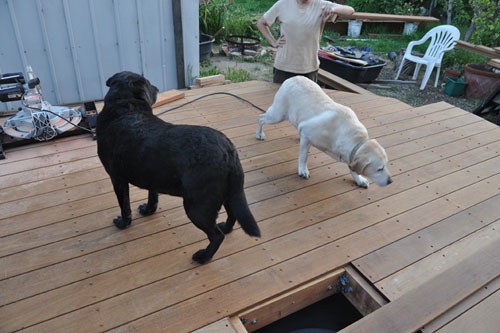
x,y
73,46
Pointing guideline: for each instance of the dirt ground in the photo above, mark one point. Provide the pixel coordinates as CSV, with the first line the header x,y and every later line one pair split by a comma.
x,y
406,92
411,94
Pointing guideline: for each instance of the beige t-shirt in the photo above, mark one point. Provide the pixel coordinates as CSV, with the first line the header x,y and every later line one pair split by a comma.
x,y
301,26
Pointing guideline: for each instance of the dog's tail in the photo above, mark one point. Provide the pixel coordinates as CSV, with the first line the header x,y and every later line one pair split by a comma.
x,y
238,206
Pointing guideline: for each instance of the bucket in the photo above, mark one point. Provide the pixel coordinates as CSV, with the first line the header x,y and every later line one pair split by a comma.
x,y
205,46
354,28
454,86
410,28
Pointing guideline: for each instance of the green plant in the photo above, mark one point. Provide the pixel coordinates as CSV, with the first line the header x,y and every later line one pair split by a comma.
x,y
401,7
381,44
408,8
206,69
486,22
460,12
236,75
239,22
370,6
252,6
231,73
458,58
212,16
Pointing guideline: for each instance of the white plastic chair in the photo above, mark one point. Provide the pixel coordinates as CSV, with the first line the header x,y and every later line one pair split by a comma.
x,y
443,39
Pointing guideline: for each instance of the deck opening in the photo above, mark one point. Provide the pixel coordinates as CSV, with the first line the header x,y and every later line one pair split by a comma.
x,y
326,316
331,302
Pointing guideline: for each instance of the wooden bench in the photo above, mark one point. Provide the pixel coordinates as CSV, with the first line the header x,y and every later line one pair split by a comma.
x,y
389,18
375,17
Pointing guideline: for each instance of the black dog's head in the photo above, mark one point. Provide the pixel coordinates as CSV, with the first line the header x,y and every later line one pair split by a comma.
x,y
129,85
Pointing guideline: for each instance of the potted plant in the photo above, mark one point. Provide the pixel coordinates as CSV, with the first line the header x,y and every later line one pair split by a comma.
x,y
211,16
482,80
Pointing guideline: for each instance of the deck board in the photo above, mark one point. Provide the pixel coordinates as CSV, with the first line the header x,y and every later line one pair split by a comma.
x,y
421,304
397,256
480,318
399,283
65,267
464,306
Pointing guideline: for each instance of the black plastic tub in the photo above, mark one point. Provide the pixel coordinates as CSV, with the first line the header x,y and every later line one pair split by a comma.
x,y
350,72
205,46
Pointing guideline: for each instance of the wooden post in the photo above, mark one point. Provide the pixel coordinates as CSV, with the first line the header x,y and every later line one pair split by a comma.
x,y
179,43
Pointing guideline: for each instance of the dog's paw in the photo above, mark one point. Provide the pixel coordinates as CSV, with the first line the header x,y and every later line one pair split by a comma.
x,y
362,182
304,174
224,227
260,136
122,223
146,210
201,257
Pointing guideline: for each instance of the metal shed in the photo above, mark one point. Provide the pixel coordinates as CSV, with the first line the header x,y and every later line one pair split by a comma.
x,y
74,46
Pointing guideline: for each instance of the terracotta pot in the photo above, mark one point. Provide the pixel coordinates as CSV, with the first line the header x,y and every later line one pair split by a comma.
x,y
451,73
481,79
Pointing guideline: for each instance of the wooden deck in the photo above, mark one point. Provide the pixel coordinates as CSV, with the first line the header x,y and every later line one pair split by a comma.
x,y
428,245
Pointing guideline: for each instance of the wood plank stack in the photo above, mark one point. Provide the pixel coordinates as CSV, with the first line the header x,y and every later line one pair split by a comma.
x,y
210,81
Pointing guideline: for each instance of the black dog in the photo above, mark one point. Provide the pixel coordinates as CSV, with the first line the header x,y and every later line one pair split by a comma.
x,y
196,163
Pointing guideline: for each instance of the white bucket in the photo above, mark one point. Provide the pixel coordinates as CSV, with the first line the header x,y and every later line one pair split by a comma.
x,y
354,28
410,28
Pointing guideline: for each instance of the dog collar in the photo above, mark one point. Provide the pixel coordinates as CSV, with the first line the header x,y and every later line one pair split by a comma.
x,y
355,150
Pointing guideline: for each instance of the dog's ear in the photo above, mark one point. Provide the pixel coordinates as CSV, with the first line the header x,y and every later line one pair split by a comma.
x,y
110,81
361,159
359,164
143,89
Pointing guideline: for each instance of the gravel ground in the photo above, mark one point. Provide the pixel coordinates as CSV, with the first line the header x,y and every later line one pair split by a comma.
x,y
411,94
408,93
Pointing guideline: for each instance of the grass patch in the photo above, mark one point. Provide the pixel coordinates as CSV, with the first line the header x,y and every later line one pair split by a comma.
x,y
206,69
235,75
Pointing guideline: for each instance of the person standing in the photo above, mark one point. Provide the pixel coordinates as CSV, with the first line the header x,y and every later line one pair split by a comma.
x,y
301,26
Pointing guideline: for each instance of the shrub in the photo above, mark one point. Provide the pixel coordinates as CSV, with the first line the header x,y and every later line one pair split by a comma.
x,y
486,22
458,58
211,17
239,22
401,7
